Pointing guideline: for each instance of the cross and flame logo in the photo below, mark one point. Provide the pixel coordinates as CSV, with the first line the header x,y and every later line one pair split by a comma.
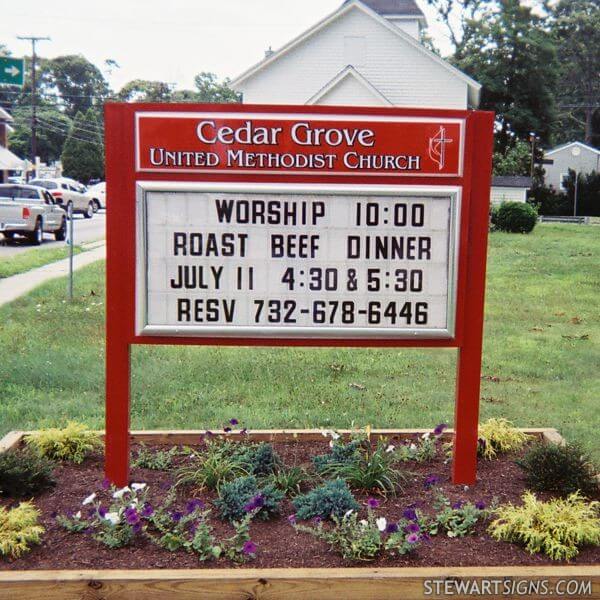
x,y
437,147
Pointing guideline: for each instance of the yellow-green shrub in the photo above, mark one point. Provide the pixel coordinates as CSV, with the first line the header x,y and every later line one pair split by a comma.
x,y
497,436
19,528
72,443
557,527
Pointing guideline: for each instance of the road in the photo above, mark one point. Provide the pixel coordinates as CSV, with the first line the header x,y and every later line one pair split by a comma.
x,y
85,230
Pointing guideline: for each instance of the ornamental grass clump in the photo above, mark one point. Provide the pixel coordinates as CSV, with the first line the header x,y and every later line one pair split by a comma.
x,y
19,529
332,499
499,436
72,443
557,528
560,469
246,495
24,473
290,480
370,469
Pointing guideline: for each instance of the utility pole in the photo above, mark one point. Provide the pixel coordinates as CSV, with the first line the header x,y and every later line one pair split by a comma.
x,y
33,40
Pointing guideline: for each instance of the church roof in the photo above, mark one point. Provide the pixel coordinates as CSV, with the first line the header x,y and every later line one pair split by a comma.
x,y
394,7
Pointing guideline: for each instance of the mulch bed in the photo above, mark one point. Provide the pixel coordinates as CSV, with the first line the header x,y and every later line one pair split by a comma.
x,y
278,544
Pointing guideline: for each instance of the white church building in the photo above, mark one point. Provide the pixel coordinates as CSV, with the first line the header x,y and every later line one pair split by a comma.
x,y
366,53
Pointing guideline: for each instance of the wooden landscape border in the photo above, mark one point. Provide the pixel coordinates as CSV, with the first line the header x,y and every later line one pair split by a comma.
x,y
399,583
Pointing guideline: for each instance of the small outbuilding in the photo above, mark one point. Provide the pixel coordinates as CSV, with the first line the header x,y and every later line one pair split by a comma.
x,y
366,53
510,188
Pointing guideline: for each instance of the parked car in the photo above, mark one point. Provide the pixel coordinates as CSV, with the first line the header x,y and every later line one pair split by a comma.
x,y
98,194
68,192
30,211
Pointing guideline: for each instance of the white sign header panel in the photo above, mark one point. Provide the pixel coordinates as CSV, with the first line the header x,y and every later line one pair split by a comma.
x,y
296,261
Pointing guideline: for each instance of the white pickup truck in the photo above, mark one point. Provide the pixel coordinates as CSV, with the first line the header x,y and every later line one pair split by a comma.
x,y
30,211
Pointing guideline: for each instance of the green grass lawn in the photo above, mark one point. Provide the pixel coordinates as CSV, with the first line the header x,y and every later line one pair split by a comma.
x,y
36,257
541,359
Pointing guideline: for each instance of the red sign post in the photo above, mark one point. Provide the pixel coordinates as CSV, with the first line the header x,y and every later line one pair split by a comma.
x,y
385,209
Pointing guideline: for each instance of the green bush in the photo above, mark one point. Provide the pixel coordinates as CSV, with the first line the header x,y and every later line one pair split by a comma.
x,y
557,528
341,453
514,217
19,529
333,498
244,495
260,460
72,443
559,469
24,474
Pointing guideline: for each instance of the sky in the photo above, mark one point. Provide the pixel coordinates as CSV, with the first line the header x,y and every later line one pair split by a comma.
x,y
167,40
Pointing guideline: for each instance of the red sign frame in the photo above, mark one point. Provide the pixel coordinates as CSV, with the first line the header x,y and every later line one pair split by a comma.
x,y
121,177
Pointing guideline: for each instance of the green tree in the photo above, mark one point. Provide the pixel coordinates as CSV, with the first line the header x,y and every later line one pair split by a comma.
x,y
83,152
516,160
513,56
75,81
143,90
210,90
52,129
577,30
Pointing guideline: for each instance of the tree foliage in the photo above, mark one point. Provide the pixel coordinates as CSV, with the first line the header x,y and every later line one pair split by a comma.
x,y
516,160
83,152
512,55
577,32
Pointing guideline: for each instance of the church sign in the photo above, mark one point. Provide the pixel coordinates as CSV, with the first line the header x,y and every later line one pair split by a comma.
x,y
298,144
289,226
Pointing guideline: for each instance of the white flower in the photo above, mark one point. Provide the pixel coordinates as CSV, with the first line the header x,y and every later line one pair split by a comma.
x,y
412,447
348,514
120,493
78,515
335,436
381,523
89,499
325,433
425,436
364,522
113,517
331,444
390,448
136,487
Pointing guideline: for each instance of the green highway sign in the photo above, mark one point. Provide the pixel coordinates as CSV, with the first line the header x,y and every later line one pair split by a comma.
x,y
12,71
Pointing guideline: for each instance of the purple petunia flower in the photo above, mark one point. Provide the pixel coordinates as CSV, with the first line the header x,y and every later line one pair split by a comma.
x,y
233,422
227,429
440,429
458,505
480,505
317,520
192,527
137,527
391,528
257,502
131,516
410,514
102,512
88,531
147,510
249,547
176,516
244,431
413,538
292,519
412,528
105,484
53,515
193,505
372,503
431,481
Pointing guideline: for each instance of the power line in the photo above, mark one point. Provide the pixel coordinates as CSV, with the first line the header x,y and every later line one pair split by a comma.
x,y
68,130
62,124
79,139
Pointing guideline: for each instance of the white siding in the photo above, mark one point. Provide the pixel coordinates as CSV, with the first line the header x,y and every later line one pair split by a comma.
x,y
508,194
410,26
402,73
350,92
586,162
